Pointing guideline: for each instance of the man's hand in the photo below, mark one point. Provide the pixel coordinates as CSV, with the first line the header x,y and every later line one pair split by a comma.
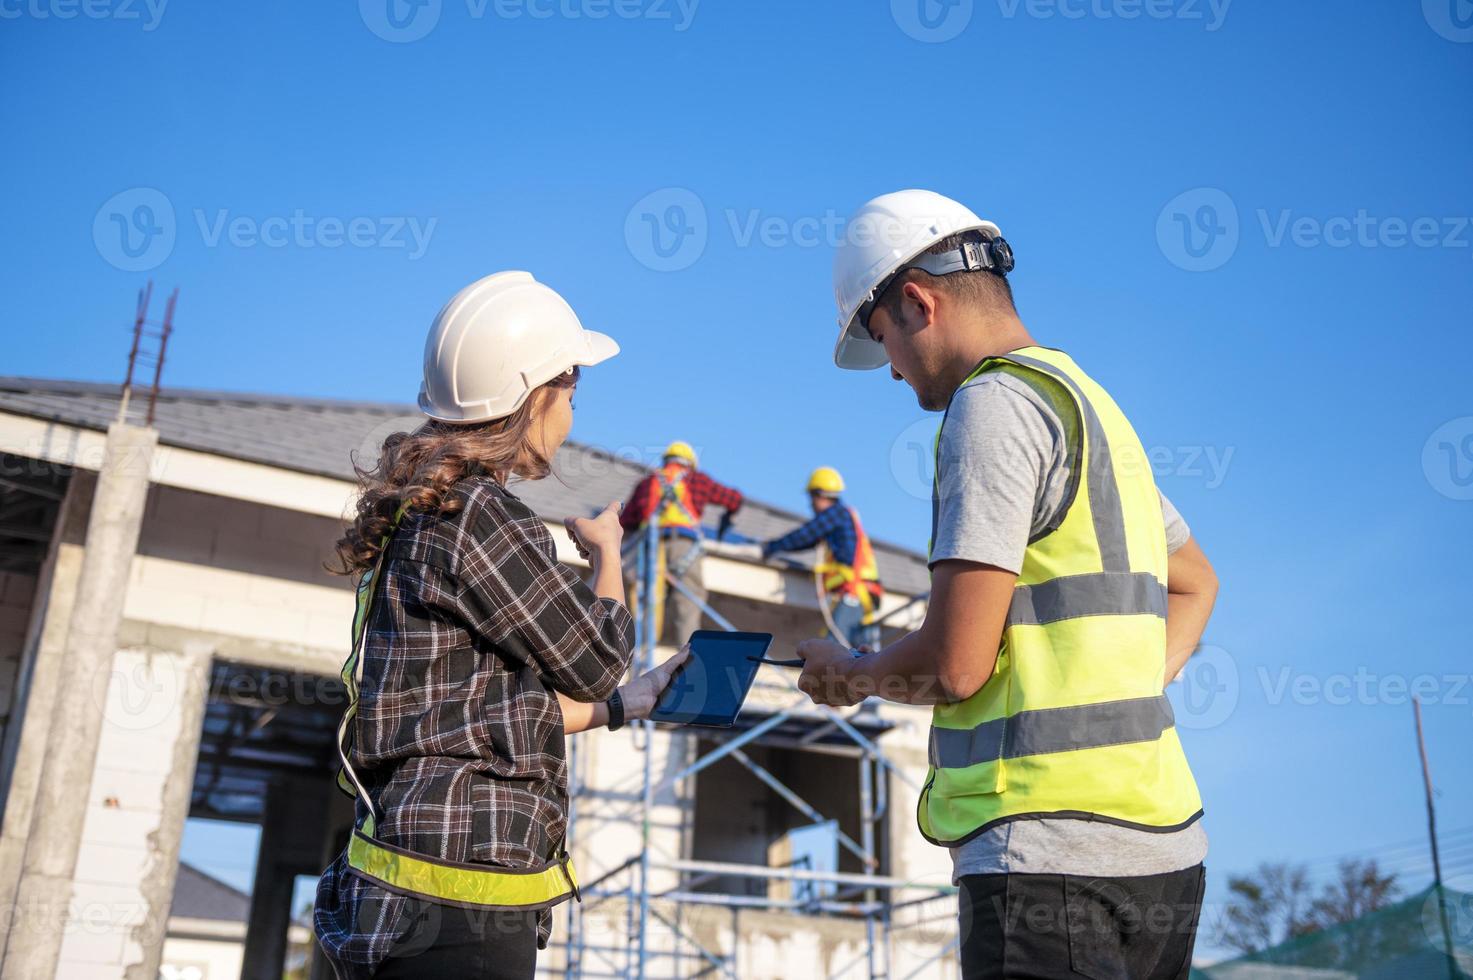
x,y
825,676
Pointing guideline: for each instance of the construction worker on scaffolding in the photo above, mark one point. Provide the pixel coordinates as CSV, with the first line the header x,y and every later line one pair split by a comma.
x,y
675,497
846,569
1065,593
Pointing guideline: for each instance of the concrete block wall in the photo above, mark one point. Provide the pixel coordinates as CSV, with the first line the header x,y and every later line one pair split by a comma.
x,y
153,706
229,567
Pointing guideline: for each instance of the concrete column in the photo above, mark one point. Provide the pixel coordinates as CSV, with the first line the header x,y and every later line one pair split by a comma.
x,y
291,843
337,827
145,948
60,810
25,742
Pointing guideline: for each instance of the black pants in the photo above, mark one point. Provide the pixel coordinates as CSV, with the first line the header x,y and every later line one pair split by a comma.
x,y
453,942
1050,927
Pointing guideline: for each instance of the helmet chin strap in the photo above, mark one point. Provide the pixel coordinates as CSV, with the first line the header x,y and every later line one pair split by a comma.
x,y
992,255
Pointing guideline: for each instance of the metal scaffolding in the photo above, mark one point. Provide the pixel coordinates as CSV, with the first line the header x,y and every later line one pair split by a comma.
x,y
869,895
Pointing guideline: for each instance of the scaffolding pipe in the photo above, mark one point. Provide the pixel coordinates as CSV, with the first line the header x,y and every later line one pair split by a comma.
x,y
719,962
833,715
575,933
801,805
758,902
651,636
867,831
791,874
873,807
727,748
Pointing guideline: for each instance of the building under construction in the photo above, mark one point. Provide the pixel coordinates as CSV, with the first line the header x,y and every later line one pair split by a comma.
x,y
784,847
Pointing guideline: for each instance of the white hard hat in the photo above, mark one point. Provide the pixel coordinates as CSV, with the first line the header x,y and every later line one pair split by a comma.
x,y
885,236
495,341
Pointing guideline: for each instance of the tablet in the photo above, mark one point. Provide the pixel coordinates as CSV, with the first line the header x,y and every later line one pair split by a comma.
x,y
710,687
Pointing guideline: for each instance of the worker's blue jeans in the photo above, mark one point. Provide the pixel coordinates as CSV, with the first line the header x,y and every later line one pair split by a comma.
x,y
849,618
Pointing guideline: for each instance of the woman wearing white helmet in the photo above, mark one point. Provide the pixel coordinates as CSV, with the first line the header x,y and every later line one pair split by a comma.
x,y
474,652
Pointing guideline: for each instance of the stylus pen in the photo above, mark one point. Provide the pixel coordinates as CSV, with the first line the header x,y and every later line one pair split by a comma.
x,y
776,663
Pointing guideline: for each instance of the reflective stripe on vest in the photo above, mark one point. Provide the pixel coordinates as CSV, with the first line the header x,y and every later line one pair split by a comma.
x,y
419,875
862,578
1073,721
452,882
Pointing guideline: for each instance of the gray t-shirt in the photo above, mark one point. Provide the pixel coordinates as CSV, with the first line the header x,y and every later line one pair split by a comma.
x,y
1003,470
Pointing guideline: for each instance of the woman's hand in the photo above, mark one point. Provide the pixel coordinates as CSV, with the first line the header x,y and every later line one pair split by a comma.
x,y
597,537
640,694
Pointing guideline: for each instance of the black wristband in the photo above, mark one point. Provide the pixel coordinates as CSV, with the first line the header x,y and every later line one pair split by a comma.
x,y
616,711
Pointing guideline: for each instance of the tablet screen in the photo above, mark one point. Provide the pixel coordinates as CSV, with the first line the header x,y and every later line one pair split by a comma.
x,y
709,689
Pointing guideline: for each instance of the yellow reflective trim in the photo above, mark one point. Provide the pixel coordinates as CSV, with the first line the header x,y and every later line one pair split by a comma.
x,y
405,872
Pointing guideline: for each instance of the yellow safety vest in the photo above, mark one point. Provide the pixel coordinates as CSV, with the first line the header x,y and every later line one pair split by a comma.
x,y
674,505
1073,721
405,872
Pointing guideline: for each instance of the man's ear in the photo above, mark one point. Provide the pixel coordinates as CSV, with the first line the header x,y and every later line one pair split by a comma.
x,y
918,305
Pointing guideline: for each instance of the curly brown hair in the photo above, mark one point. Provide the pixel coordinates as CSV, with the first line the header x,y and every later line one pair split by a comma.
x,y
420,470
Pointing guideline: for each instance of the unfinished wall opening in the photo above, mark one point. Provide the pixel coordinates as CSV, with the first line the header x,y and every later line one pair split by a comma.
x,y
32,492
745,812
265,818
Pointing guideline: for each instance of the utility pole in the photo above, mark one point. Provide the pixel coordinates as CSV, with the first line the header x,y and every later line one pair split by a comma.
x,y
1447,935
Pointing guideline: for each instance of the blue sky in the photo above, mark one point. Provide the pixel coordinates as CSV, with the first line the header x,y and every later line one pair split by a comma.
x,y
1249,221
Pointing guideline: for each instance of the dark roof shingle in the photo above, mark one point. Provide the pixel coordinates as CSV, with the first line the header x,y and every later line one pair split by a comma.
x,y
322,436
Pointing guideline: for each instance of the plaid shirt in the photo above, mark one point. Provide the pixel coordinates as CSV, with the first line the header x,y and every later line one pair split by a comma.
x,y
702,489
459,737
834,527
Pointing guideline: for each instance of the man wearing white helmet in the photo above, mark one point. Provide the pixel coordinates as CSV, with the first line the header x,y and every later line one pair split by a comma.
x,y
1066,592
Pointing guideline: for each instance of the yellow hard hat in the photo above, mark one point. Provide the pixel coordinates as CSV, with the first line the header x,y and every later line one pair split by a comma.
x,y
681,450
826,479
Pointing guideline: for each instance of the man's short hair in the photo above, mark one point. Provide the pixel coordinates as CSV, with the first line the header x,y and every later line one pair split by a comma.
x,y
980,288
